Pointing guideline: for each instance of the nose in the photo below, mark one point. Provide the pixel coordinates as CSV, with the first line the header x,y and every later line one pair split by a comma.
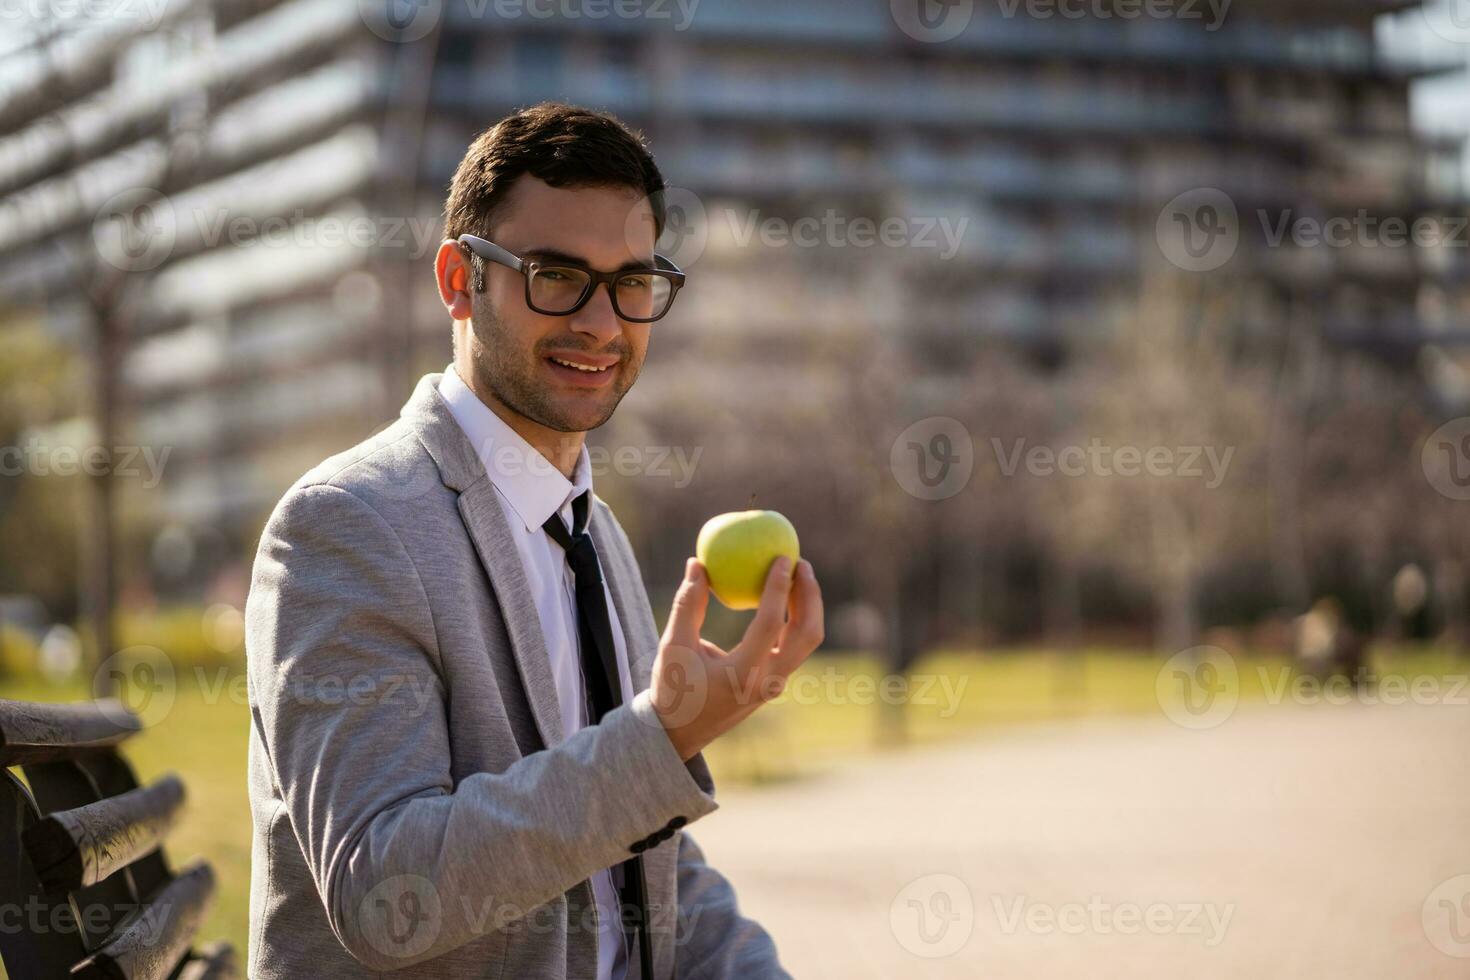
x,y
598,319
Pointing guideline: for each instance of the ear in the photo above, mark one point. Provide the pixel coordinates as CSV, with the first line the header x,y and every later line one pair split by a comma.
x,y
452,270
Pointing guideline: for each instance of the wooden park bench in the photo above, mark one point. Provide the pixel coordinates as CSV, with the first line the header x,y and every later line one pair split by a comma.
x,y
85,891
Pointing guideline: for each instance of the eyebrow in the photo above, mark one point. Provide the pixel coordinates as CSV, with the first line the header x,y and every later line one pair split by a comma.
x,y
554,255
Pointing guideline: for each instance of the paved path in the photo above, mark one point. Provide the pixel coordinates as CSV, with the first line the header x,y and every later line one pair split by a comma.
x,y
1290,842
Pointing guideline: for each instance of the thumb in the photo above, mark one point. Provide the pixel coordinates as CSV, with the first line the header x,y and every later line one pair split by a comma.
x,y
690,603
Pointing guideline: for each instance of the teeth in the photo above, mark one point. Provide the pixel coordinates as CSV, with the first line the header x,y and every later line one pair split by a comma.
x,y
579,367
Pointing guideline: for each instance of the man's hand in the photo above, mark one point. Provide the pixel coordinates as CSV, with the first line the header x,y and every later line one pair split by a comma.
x,y
701,691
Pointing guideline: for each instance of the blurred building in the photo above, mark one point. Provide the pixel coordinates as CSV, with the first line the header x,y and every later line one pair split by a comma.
x,y
277,301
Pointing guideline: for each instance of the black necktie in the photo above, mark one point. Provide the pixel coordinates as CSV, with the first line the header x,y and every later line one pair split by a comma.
x,y
604,690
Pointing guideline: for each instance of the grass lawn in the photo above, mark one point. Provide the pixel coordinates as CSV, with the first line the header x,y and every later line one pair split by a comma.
x,y
831,709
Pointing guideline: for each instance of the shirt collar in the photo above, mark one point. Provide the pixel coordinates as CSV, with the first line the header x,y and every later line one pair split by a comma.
x,y
530,484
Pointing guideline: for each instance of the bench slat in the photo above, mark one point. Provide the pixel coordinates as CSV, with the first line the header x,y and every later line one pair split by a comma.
x,y
32,733
66,785
151,945
113,776
217,961
74,848
81,842
42,938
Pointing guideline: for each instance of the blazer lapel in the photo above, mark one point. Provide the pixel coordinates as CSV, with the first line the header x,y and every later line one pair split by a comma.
x,y
480,509
497,549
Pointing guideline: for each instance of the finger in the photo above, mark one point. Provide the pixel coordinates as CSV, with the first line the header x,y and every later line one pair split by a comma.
x,y
806,628
793,601
765,628
690,602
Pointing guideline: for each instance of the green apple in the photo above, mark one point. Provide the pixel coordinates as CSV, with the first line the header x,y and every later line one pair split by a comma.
x,y
737,550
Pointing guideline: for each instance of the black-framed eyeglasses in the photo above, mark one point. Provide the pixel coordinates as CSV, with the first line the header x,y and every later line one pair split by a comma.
x,y
560,288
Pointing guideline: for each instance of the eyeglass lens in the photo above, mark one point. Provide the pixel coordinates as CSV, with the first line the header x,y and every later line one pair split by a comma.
x,y
558,289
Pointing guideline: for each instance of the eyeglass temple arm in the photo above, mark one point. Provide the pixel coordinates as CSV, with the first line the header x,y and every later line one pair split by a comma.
x,y
487,249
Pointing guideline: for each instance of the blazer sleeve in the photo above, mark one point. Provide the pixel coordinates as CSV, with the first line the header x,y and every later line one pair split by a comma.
x,y
348,699
721,944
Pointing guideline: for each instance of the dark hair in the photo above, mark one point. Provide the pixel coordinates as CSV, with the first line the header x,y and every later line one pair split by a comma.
x,y
564,145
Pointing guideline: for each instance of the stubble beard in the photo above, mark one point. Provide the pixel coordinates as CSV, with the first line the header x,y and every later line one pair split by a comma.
x,y
512,379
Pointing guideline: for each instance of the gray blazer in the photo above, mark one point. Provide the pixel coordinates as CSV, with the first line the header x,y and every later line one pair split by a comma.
x,y
416,809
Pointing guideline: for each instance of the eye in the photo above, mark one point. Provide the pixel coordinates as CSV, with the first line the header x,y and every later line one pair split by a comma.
x,y
555,275
635,282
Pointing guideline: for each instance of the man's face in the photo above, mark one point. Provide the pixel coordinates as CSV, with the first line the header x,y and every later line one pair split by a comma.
x,y
520,356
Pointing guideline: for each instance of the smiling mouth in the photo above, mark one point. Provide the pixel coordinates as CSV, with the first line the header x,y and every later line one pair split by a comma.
x,y
585,368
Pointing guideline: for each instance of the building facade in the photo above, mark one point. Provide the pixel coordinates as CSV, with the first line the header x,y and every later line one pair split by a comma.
x,y
249,189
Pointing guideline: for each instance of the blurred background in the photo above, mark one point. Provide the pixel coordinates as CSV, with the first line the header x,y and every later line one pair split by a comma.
x,y
1109,356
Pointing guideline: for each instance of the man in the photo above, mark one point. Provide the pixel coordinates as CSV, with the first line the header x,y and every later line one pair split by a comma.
x,y
471,754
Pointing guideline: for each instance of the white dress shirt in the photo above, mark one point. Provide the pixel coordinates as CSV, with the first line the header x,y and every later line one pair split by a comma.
x,y
530,490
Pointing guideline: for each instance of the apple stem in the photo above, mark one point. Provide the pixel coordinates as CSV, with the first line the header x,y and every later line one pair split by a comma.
x,y
752,502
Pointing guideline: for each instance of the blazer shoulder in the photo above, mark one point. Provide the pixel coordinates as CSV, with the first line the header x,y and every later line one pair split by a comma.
x,y
390,471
